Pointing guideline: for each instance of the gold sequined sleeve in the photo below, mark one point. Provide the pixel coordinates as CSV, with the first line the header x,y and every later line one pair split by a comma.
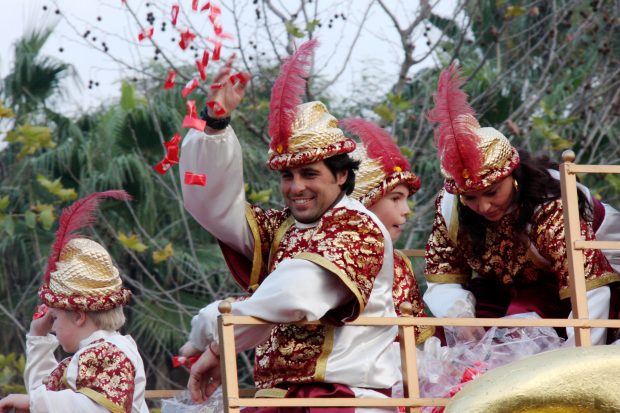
x,y
106,376
445,262
348,244
548,237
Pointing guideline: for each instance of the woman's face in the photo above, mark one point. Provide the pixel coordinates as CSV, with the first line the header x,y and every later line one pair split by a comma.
x,y
494,202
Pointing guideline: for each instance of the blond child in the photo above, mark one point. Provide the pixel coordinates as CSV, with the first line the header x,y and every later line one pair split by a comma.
x,y
83,301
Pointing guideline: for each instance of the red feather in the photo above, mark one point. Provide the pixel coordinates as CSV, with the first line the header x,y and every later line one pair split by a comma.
x,y
456,143
75,217
286,95
378,142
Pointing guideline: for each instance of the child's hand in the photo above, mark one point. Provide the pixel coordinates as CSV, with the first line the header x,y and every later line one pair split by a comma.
x,y
41,326
19,402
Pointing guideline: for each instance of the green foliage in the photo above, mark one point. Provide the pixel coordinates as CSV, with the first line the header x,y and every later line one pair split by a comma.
x,y
11,373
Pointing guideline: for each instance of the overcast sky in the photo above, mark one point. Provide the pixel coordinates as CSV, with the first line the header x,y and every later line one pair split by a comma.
x,y
377,53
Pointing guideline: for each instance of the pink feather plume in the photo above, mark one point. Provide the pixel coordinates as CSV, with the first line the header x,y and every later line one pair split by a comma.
x,y
456,143
286,94
378,143
75,217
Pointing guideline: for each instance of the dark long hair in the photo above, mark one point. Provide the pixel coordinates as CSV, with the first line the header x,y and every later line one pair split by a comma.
x,y
536,187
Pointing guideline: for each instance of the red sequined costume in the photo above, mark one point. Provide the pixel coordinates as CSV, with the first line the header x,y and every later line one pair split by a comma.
x,y
105,375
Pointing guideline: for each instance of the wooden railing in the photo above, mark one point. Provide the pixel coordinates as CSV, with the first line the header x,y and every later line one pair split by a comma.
x,y
235,398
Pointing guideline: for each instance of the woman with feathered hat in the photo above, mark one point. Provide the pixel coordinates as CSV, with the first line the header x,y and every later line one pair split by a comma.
x,y
500,216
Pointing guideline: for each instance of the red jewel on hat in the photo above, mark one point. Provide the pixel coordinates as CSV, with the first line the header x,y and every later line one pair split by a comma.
x,y
195,179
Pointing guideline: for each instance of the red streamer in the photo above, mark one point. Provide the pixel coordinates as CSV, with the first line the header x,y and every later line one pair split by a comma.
x,y
201,70
175,14
207,6
194,123
216,51
195,5
170,80
195,179
184,361
205,58
146,33
189,87
186,38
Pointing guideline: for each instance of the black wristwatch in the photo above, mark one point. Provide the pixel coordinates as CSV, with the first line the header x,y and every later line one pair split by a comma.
x,y
214,123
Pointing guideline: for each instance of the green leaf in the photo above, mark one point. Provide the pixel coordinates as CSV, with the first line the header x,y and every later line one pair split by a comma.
x,y
163,255
384,112
32,138
6,112
4,203
128,96
259,197
294,30
132,242
9,226
45,215
31,219
55,188
312,25
514,11
614,181
398,102
407,152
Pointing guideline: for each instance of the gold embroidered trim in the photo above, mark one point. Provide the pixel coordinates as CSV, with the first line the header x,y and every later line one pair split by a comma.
x,y
329,266
272,393
101,400
328,346
453,229
407,261
425,333
257,255
288,222
608,278
447,278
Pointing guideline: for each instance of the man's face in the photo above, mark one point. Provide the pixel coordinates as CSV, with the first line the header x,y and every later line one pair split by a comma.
x,y
310,190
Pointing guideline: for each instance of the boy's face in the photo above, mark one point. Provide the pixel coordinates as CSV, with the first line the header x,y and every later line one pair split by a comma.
x,y
65,326
392,210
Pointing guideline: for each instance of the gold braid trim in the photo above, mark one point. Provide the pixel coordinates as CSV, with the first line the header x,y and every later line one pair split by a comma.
x,y
272,393
448,278
101,400
608,278
406,260
257,256
425,333
329,266
277,239
328,346
453,225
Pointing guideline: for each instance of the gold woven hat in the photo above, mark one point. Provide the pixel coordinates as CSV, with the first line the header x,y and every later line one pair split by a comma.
x,y
471,157
499,159
382,166
80,273
315,136
85,279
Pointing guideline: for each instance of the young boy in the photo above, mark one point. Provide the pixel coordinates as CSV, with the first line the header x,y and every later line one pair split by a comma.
x,y
383,184
83,301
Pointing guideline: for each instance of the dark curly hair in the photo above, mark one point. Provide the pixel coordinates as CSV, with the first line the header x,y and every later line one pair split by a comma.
x,y
536,187
343,162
